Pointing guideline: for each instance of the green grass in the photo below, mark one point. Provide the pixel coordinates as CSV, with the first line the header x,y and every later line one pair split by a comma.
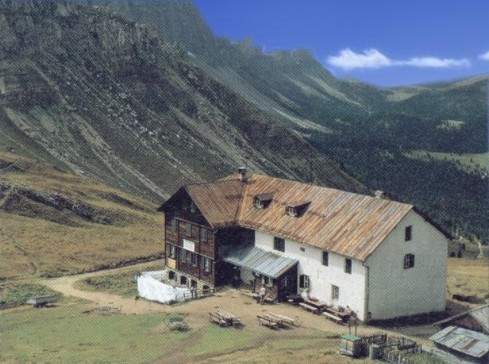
x,y
121,284
221,340
66,335
424,358
17,294
468,162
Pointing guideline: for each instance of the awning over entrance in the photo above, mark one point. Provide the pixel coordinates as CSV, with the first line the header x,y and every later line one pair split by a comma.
x,y
260,261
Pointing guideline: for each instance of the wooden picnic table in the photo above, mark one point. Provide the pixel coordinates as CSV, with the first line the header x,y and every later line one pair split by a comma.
x,y
224,318
282,320
274,321
268,320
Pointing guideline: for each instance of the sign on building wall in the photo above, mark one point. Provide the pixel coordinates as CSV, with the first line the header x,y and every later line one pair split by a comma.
x,y
189,245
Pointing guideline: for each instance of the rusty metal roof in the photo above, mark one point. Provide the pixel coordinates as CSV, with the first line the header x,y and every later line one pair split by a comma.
x,y
260,261
218,201
349,224
462,340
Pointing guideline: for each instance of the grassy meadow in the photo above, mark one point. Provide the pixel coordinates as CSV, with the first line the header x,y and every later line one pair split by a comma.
x,y
469,277
66,334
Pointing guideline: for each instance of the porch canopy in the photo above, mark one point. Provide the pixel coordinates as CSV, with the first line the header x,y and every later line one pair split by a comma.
x,y
260,261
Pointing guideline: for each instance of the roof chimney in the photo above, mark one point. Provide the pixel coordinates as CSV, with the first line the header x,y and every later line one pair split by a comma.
x,y
379,194
242,174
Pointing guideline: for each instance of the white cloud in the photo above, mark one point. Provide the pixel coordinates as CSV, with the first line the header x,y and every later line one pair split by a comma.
x,y
484,56
434,62
372,58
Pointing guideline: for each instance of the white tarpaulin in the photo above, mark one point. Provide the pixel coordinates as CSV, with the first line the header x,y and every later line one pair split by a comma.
x,y
150,288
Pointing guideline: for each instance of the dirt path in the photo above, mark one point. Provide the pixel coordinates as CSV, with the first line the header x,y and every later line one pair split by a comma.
x,y
231,300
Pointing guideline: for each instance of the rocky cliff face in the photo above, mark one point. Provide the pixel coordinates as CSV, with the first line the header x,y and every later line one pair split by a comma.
x,y
107,98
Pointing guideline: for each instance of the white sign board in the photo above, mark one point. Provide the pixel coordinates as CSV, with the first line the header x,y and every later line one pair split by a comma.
x,y
189,245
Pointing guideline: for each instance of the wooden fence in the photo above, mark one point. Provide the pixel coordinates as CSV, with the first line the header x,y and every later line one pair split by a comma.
x,y
399,357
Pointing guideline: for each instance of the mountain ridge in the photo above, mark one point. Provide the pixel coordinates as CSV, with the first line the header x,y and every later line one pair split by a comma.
x,y
107,98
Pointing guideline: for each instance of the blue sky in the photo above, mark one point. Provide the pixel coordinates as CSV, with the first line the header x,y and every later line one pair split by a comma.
x,y
386,43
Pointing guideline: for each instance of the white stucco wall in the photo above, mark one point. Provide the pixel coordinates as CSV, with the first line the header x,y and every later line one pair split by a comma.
x,y
352,286
395,291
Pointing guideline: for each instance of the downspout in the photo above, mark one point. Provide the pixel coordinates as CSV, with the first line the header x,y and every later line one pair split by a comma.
x,y
367,293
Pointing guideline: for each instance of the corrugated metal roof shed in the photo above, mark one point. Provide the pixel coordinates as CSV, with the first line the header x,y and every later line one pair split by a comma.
x,y
349,224
479,314
469,342
260,261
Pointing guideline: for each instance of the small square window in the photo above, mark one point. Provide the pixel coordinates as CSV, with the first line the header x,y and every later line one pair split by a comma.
x,y
348,265
408,233
335,292
188,229
279,244
173,224
303,281
408,261
326,258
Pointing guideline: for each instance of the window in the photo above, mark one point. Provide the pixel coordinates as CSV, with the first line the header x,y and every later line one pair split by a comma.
x,y
192,207
408,233
188,229
171,251
408,261
206,265
184,255
279,244
173,224
348,265
193,259
325,258
268,281
204,235
335,292
291,211
262,200
302,249
171,275
303,281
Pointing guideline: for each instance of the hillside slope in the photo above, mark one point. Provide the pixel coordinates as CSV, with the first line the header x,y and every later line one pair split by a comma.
x,y
106,98
54,222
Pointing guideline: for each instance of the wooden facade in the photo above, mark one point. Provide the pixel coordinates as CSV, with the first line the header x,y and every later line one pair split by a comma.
x,y
189,239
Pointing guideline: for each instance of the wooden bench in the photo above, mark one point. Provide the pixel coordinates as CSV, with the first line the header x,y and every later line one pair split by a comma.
x,y
309,307
337,319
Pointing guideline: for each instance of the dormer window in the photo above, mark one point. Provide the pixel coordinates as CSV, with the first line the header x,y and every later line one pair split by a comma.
x,y
296,209
262,200
291,211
